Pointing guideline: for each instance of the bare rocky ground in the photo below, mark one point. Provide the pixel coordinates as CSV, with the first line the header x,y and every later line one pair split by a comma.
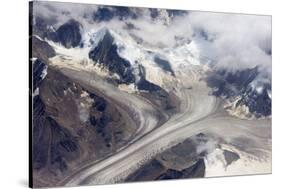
x,y
184,160
74,126
180,161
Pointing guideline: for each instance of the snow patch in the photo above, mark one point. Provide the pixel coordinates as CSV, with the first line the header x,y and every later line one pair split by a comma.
x,y
216,164
240,111
131,88
33,59
259,89
36,92
84,104
44,72
269,93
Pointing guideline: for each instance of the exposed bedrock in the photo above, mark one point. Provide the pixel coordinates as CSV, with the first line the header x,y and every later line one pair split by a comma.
x,y
194,171
39,68
72,126
184,160
106,54
180,161
230,156
106,13
41,49
246,87
164,64
67,34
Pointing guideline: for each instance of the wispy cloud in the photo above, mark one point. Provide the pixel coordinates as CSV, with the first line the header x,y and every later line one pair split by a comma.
x,y
241,41
232,41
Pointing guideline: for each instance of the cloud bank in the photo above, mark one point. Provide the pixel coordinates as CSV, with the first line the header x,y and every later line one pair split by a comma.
x,y
230,41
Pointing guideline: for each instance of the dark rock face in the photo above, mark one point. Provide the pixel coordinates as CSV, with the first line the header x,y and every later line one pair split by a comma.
x,y
147,172
230,156
47,133
64,146
106,54
154,13
145,85
174,13
230,85
103,14
180,161
168,102
195,171
259,103
170,174
154,170
106,13
40,153
69,34
125,12
157,95
41,49
42,28
164,64
38,67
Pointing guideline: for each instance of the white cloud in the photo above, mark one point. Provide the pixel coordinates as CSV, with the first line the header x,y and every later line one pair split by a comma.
x,y
237,41
240,40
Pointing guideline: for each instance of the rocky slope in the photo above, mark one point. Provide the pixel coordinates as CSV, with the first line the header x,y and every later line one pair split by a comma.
x,y
105,53
246,93
184,160
71,125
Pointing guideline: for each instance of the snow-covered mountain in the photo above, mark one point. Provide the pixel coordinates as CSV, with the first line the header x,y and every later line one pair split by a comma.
x,y
246,92
134,64
181,93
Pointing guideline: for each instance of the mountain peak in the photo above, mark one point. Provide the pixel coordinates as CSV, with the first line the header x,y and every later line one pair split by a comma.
x,y
104,52
69,33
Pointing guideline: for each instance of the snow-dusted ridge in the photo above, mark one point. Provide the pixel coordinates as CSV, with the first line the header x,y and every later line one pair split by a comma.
x,y
181,58
130,50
